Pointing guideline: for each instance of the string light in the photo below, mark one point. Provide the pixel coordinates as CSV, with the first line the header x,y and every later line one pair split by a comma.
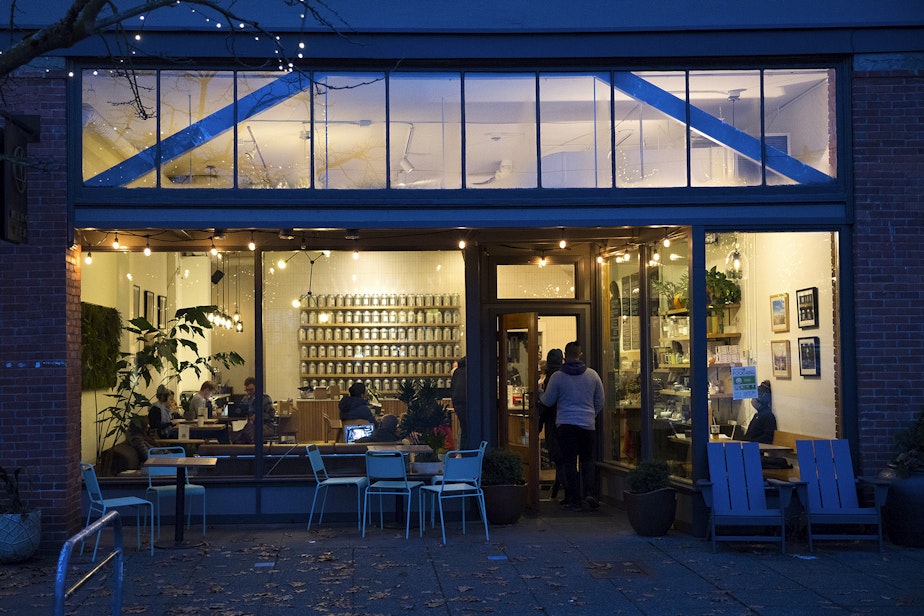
x,y
251,244
213,250
89,258
667,242
115,241
147,246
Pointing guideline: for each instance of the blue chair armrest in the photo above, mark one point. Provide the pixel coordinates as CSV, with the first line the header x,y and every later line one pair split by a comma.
x,y
880,488
784,488
706,487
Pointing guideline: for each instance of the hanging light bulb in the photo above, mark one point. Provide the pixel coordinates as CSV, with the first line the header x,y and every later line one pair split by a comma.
x,y
736,262
461,244
236,317
239,326
147,246
115,241
89,258
667,242
656,256
213,250
600,258
356,255
281,264
296,303
251,245
543,261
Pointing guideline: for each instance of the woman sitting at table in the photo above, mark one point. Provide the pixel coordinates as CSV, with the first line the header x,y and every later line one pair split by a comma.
x,y
160,415
355,406
763,424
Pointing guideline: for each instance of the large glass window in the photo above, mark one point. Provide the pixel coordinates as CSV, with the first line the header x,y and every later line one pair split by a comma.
x,y
575,131
349,138
426,130
500,131
180,129
772,309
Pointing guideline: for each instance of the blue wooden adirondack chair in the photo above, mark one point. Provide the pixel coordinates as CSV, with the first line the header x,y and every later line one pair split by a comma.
x,y
736,494
828,491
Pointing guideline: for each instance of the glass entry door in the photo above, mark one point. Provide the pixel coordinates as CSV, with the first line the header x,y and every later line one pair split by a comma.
x,y
518,370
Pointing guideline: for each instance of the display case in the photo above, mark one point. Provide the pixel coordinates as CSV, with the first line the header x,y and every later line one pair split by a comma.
x,y
379,339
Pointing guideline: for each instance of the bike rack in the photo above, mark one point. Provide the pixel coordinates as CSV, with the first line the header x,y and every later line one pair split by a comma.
x,y
61,595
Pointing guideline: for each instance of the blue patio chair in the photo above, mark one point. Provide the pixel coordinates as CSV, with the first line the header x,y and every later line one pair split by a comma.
x,y
461,479
168,490
387,474
828,491
100,506
324,481
736,494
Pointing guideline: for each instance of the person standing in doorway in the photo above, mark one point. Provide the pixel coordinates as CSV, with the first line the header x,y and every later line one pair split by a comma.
x,y
547,415
578,393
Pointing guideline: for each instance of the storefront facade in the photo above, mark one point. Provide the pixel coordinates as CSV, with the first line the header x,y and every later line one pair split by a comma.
x,y
784,163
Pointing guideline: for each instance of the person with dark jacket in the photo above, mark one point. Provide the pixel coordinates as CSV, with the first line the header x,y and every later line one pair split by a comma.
x,y
578,392
763,424
355,405
387,432
547,415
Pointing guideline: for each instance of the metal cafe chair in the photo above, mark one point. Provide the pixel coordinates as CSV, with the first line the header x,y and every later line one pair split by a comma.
x,y
461,479
324,481
167,490
387,475
101,505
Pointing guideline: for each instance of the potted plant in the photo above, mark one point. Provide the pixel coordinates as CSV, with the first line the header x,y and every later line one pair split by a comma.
x,y
503,485
425,422
650,501
677,293
20,526
160,357
904,508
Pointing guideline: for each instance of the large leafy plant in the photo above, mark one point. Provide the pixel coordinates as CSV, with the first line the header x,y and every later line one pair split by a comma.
x,y
426,418
164,355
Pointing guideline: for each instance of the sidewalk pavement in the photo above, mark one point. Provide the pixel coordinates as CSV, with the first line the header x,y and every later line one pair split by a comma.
x,y
580,563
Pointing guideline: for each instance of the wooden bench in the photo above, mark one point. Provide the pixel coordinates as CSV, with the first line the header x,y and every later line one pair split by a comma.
x,y
787,439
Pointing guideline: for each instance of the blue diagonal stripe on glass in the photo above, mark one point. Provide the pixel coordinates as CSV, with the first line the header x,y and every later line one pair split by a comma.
x,y
717,130
202,131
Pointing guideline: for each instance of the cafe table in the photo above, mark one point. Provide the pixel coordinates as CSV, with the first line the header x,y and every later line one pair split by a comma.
x,y
182,465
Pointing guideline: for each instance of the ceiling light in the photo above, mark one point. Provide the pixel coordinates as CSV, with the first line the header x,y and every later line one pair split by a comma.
x,y
239,326
406,165
600,258
281,263
251,245
667,242
356,255
656,256
115,241
562,243
296,303
147,247
461,244
89,258
213,250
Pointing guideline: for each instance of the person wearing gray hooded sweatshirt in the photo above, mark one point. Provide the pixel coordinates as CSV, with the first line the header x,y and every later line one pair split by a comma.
x,y
578,392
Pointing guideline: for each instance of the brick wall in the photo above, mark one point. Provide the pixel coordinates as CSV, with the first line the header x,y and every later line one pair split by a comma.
x,y
40,321
888,134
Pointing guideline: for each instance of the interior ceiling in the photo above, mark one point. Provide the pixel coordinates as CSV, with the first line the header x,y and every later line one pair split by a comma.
x,y
201,240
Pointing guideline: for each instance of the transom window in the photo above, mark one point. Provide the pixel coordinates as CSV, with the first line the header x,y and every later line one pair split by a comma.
x,y
453,130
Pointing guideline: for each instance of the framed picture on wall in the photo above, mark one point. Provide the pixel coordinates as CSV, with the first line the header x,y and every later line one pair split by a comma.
x,y
779,312
807,307
809,360
150,308
136,301
782,359
161,311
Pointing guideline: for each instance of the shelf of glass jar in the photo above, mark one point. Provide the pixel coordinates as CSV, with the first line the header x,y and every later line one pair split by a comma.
x,y
386,349
398,334
371,366
416,315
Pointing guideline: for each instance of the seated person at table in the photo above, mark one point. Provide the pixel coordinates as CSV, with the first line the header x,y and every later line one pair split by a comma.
x,y
199,404
160,416
246,435
387,432
763,424
246,406
354,406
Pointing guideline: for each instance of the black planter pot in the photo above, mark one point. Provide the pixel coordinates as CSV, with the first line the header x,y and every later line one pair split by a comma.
x,y
651,514
904,511
504,504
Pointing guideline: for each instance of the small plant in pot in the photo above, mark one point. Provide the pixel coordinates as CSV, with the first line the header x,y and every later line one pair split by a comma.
x,y
425,421
20,526
904,508
650,501
503,485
